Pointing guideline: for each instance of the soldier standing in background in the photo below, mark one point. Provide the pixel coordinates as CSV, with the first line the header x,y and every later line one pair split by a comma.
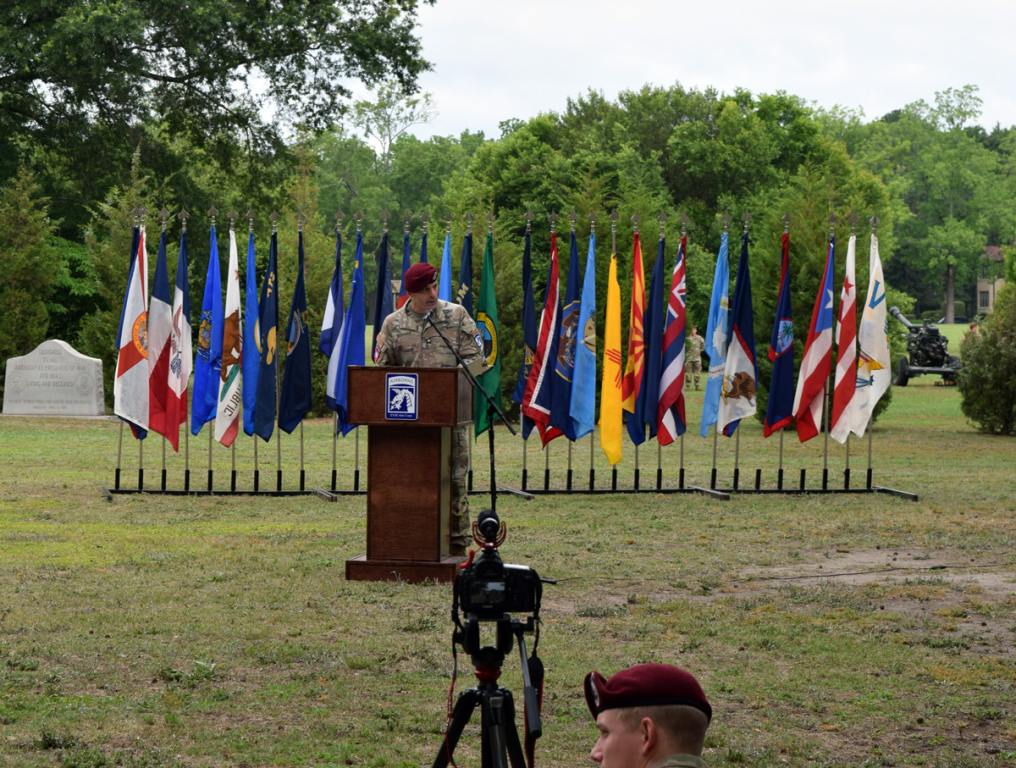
x,y
408,339
693,357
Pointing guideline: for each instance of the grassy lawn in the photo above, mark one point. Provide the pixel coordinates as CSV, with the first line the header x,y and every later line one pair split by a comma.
x,y
838,630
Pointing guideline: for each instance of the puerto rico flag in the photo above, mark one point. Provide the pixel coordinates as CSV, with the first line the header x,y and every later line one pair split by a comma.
x,y
847,407
814,373
670,419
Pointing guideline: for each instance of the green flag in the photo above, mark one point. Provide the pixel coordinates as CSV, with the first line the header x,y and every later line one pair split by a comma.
x,y
486,323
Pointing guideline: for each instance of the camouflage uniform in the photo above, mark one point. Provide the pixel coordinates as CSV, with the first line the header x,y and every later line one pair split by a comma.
x,y
682,761
693,359
406,339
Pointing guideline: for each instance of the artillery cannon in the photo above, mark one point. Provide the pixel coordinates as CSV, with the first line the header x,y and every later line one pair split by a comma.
x,y
927,352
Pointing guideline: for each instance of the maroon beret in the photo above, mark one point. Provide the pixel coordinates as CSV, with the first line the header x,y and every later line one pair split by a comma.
x,y
419,276
645,685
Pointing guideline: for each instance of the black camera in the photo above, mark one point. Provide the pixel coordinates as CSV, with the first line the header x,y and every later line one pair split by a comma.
x,y
488,588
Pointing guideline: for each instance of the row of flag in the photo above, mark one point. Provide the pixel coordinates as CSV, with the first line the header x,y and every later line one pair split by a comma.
x,y
557,379
236,364
556,386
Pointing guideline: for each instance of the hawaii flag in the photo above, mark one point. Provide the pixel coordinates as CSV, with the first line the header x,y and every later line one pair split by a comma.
x,y
130,387
670,419
873,367
814,373
160,323
227,415
740,370
610,384
847,410
181,355
536,402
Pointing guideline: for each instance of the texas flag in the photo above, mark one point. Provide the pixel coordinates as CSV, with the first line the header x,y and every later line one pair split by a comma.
x,y
130,386
814,373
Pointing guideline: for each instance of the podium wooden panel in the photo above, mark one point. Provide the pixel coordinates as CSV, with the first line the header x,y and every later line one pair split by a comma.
x,y
408,473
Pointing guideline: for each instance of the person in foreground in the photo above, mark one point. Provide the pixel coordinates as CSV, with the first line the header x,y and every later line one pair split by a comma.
x,y
648,716
408,338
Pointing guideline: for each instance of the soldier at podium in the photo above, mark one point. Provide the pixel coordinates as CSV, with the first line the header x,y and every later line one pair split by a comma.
x,y
408,339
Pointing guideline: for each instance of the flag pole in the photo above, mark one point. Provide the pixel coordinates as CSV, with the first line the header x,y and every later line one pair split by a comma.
x,y
356,461
302,474
636,478
163,484
546,467
779,474
712,477
827,394
737,457
680,478
846,468
592,458
141,465
119,458
257,468
335,442
278,388
232,467
659,466
183,216
869,478
210,438
568,480
525,445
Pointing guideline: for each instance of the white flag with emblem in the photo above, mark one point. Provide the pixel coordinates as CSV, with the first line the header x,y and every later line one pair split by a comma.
x,y
874,369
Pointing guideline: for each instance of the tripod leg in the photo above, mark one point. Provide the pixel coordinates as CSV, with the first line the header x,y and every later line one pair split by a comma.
x,y
511,733
464,707
493,730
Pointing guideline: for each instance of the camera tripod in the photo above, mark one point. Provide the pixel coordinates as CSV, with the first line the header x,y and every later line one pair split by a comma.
x,y
500,744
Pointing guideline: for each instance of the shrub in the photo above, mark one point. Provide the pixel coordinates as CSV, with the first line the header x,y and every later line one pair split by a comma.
x,y
987,380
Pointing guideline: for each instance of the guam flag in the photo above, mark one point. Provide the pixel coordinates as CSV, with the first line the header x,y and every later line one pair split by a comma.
x,y
670,419
814,373
780,409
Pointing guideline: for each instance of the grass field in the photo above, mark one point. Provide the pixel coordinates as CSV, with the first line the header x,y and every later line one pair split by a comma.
x,y
838,630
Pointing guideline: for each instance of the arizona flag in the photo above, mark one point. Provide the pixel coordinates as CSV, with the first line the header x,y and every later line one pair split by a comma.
x,y
610,385
130,387
634,364
740,369
780,408
874,374
228,412
160,325
536,402
847,410
814,373
670,419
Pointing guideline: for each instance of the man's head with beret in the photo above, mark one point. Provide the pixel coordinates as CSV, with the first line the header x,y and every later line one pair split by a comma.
x,y
421,285
646,713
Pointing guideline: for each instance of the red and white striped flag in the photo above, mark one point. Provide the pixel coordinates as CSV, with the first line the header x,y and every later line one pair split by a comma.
x,y
537,397
130,386
181,355
670,418
847,406
814,373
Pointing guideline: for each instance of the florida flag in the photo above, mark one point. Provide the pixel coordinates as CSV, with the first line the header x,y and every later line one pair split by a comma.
x,y
130,387
847,407
814,373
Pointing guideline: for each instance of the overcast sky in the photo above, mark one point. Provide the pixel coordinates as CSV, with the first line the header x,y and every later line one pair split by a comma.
x,y
499,59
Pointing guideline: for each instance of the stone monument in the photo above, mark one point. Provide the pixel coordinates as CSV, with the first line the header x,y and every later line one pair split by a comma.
x,y
54,379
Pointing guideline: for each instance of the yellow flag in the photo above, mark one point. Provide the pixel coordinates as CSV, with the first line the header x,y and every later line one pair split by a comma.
x,y
610,387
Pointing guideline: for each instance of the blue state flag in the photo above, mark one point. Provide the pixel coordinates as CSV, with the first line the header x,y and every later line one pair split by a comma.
x,y
268,359
331,322
205,400
295,401
716,336
251,342
444,285
351,341
780,408
564,361
583,396
464,295
383,304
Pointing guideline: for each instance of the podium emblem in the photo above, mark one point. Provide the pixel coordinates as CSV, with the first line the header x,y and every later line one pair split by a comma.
x,y
400,402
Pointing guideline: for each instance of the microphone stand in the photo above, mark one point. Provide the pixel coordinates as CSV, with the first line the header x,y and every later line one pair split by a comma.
x,y
491,406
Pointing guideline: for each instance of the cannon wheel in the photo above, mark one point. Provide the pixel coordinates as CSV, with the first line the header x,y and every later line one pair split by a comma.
x,y
902,372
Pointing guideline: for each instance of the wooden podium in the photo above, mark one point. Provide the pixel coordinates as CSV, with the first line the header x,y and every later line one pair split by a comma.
x,y
408,468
